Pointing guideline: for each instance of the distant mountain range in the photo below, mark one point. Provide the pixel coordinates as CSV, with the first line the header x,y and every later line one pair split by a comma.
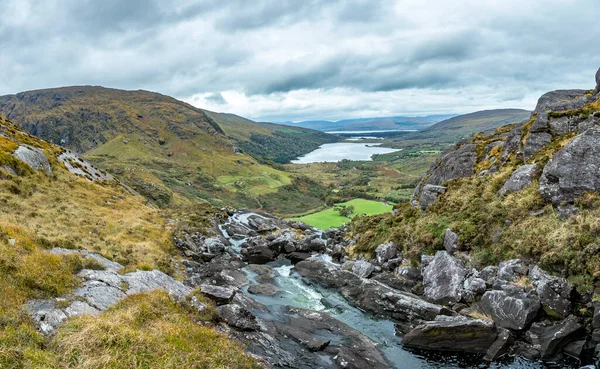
x,y
372,124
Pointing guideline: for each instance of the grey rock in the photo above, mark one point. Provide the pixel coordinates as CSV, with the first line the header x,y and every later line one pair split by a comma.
x,y
144,281
567,211
443,279
574,170
99,295
311,244
596,316
199,306
265,289
574,349
450,241
475,285
462,334
265,273
554,292
256,251
214,245
519,180
385,252
262,224
511,270
45,314
511,143
510,311
34,157
408,272
456,164
488,274
429,194
501,345
82,167
552,338
598,80
221,295
238,317
534,143
363,268
560,100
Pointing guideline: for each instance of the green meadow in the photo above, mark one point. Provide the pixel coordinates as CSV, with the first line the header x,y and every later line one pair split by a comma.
x,y
331,218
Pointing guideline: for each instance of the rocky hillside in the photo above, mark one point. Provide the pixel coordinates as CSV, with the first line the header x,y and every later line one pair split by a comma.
x,y
169,151
510,221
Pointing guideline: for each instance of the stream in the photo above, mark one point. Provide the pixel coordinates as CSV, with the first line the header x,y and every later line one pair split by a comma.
x,y
299,293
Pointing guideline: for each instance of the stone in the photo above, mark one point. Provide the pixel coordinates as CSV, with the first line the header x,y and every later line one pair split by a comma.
x,y
363,268
311,244
385,252
453,334
501,345
574,349
488,274
535,142
45,314
450,241
262,224
264,289
596,316
143,281
512,311
257,253
264,273
297,256
475,285
560,100
574,170
214,245
238,317
519,180
458,163
511,270
33,157
567,211
408,272
443,279
552,338
598,80
82,167
99,295
554,292
429,194
221,295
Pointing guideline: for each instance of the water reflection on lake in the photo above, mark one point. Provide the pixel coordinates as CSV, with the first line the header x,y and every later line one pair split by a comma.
x,y
335,152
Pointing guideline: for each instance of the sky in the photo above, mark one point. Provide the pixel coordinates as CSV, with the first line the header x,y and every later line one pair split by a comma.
x,y
292,60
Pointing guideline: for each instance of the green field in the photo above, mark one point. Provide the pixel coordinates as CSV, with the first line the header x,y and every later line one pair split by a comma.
x,y
331,218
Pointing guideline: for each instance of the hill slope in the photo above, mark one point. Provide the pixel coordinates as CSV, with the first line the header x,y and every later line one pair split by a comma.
x,y
369,124
167,150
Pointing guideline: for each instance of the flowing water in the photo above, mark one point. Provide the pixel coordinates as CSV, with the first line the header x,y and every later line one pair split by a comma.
x,y
298,293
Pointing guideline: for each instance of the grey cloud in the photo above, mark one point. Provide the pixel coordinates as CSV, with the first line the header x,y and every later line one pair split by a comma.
x,y
216,98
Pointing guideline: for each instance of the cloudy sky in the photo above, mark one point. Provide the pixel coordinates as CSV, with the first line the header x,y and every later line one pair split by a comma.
x,y
306,59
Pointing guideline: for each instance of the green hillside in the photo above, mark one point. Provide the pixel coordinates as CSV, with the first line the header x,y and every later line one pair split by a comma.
x,y
169,151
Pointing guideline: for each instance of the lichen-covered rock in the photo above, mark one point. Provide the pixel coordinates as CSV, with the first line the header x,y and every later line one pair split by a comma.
x,y
362,268
574,170
519,180
221,295
429,194
511,270
385,252
238,317
443,279
554,292
457,164
512,311
450,241
453,334
535,142
34,157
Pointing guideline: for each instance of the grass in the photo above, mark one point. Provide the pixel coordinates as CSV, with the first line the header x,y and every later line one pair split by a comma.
x,y
146,331
331,218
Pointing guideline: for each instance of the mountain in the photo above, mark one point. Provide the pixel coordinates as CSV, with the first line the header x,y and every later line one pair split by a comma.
x,y
371,124
169,151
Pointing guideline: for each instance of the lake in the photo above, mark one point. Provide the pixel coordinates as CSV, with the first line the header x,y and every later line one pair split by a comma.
x,y
335,152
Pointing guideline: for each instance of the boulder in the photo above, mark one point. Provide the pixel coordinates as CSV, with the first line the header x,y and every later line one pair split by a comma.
x,y
552,338
385,252
475,285
264,273
454,334
283,243
311,244
34,157
561,100
255,251
221,295
488,274
214,245
265,289
574,170
511,270
519,180
450,241
297,256
535,142
238,317
598,80
363,268
554,292
501,345
512,311
262,224
408,272
429,194
443,279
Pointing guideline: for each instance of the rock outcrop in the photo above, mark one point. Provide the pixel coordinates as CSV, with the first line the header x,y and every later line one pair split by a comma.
x,y
34,157
519,180
574,170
